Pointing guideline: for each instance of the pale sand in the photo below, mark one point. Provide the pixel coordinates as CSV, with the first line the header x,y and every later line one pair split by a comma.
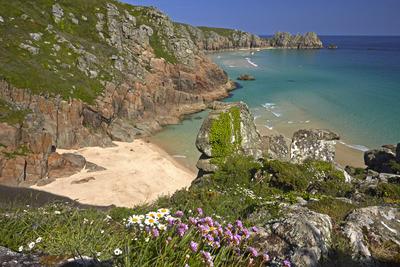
x,y
136,173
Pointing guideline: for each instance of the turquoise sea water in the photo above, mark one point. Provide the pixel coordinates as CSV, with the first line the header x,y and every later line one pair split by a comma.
x,y
353,90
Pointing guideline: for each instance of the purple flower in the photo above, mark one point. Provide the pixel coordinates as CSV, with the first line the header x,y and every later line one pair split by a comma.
x,y
236,239
209,221
230,226
194,246
207,258
253,252
147,229
209,238
179,214
171,221
200,211
228,234
287,263
265,257
239,224
192,221
254,229
246,233
155,232
182,228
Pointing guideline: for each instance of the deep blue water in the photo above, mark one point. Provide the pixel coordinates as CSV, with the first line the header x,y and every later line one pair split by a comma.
x,y
353,90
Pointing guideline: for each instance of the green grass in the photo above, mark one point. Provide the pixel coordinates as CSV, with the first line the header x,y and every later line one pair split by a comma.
x,y
336,209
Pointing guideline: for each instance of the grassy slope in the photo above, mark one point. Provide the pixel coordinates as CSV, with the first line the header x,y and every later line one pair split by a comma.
x,y
230,195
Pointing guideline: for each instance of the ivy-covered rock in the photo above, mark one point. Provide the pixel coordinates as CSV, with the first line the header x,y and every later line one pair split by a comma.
x,y
228,129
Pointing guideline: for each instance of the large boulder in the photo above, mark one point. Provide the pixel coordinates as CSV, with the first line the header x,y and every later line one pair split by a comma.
x,y
229,128
11,258
374,234
9,135
301,234
380,159
62,165
276,147
316,144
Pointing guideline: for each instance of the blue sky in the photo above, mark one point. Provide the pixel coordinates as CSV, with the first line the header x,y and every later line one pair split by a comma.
x,y
346,17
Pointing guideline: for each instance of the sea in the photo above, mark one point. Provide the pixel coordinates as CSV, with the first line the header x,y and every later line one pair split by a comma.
x,y
353,90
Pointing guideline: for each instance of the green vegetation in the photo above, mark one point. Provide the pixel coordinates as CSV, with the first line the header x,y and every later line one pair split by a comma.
x,y
221,31
240,190
158,41
20,151
227,125
336,209
10,114
313,176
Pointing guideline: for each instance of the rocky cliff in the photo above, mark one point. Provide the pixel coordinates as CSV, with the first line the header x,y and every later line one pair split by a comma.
x,y
285,40
85,73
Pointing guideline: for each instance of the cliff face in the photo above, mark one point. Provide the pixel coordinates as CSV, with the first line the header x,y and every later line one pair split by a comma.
x,y
85,73
285,40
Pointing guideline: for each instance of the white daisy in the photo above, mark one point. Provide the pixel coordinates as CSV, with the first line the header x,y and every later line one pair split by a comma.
x,y
159,215
151,215
38,240
31,245
162,227
57,212
164,211
117,252
21,248
134,219
150,221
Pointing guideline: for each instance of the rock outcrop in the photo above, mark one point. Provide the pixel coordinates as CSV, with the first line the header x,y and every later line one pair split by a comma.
x,y
302,234
383,160
316,144
276,147
229,128
285,40
373,231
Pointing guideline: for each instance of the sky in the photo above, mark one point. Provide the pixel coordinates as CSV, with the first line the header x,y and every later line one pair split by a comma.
x,y
326,17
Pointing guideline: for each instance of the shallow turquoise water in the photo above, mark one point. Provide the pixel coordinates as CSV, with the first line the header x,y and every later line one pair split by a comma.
x,y
354,90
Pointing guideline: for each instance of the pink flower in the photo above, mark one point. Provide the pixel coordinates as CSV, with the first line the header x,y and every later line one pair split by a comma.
x,y
265,257
155,232
254,229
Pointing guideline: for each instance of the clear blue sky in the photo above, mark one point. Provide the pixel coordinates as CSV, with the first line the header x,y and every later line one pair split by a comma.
x,y
346,17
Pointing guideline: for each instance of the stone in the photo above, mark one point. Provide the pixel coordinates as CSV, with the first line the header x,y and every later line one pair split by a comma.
x,y
398,153
63,165
379,159
370,231
9,135
285,40
276,147
32,49
246,77
316,144
83,180
250,143
58,12
37,36
11,258
206,165
302,235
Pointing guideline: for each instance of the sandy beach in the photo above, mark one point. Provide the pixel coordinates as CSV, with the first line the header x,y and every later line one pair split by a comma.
x,y
136,173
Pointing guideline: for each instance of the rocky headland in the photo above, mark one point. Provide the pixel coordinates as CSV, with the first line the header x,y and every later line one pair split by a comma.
x,y
86,74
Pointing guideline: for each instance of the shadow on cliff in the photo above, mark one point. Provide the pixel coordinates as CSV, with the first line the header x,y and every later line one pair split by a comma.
x,y
19,196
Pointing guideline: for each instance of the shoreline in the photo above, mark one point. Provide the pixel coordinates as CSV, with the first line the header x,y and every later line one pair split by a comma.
x,y
136,173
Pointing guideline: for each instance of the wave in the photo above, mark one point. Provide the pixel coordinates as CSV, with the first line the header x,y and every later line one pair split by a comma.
x,y
357,147
231,66
276,114
269,127
179,156
269,105
251,62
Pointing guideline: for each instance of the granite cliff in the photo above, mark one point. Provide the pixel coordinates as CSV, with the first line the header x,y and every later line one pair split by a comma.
x,y
85,73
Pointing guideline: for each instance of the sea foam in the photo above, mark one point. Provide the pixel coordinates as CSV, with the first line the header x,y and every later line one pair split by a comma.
x,y
251,62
